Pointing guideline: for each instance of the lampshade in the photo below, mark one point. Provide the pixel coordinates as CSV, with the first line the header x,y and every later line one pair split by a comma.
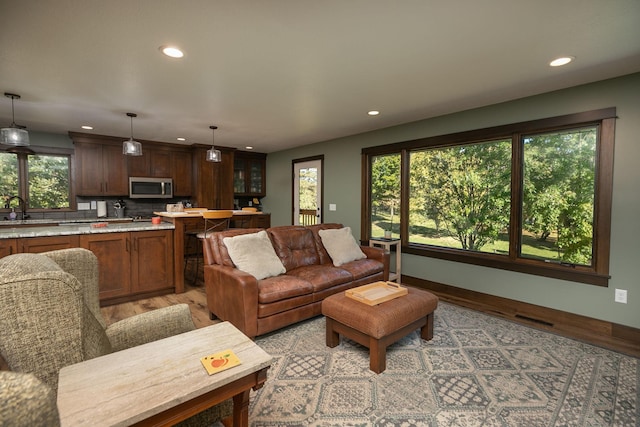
x,y
213,155
131,147
14,135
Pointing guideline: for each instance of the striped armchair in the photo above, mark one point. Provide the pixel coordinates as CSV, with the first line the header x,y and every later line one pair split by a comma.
x,y
51,318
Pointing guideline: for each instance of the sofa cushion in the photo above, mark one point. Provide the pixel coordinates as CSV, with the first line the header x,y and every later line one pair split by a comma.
x,y
341,245
294,245
282,287
363,268
322,276
254,254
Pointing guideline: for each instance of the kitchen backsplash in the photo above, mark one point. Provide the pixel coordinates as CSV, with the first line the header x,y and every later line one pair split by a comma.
x,y
133,208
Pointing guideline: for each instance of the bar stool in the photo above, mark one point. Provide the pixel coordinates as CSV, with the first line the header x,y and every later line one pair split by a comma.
x,y
216,220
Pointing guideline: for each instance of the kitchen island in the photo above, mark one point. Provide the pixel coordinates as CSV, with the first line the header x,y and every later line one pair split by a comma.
x,y
192,220
135,258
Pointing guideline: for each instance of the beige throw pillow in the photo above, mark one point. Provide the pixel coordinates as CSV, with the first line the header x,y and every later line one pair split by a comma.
x,y
341,245
253,253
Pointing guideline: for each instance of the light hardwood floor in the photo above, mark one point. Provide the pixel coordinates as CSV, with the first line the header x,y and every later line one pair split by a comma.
x,y
194,296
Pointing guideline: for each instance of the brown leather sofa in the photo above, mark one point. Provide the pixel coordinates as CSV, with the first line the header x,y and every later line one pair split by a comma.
x,y
260,306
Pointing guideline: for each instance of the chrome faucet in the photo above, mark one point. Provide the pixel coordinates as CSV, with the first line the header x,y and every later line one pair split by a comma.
x,y
21,204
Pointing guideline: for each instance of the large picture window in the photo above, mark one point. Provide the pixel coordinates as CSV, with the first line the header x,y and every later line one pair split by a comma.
x,y
533,197
42,180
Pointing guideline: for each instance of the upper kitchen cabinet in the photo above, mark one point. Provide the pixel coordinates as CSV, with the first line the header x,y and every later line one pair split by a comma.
x,y
213,182
102,170
249,172
181,172
153,163
163,161
100,167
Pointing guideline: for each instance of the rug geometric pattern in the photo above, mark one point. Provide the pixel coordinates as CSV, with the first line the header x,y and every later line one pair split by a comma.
x,y
478,370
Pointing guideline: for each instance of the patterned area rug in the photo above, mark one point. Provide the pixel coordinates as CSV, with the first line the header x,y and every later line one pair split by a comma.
x,y
478,370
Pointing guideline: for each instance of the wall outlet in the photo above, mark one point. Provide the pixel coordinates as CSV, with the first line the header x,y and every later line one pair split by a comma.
x,y
621,296
83,206
332,206
94,205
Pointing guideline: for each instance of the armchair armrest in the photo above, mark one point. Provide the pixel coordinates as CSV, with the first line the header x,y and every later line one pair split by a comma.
x,y
150,326
26,401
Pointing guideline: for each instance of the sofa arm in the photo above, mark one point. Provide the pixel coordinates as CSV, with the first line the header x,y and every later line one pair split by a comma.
x,y
379,254
232,295
150,326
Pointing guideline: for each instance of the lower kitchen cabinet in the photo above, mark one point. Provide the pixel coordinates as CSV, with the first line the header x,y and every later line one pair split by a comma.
x,y
132,264
112,251
151,261
45,244
8,247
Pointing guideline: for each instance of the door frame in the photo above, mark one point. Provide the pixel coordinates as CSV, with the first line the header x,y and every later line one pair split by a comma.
x,y
295,162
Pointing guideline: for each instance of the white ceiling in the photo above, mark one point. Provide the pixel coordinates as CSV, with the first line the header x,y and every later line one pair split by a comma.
x,y
283,73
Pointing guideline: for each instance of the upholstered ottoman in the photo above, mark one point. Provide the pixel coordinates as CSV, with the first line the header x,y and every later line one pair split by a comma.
x,y
379,326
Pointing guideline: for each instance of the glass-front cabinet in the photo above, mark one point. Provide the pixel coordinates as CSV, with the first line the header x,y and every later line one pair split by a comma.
x,y
249,174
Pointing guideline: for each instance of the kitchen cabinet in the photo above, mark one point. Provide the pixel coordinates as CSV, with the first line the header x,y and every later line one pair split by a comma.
x,y
261,220
100,168
249,173
165,162
181,173
49,243
112,251
213,182
132,263
8,247
154,163
151,261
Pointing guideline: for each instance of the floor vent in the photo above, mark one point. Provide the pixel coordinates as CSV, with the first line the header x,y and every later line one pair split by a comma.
x,y
531,319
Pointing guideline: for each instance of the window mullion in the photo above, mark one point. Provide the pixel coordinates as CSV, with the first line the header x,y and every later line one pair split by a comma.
x,y
515,223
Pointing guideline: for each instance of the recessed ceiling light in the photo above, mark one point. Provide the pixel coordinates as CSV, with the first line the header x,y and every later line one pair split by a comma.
x,y
181,139
564,60
373,112
171,51
248,147
87,127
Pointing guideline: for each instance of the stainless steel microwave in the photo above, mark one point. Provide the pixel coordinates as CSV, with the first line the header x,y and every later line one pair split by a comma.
x,y
150,188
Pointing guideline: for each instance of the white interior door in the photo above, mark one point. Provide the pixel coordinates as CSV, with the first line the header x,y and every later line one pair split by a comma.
x,y
307,192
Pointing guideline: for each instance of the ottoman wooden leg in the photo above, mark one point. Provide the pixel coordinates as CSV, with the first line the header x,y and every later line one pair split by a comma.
x,y
333,338
377,356
426,332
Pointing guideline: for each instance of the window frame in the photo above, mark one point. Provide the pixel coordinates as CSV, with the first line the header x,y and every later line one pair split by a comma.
x,y
23,174
597,274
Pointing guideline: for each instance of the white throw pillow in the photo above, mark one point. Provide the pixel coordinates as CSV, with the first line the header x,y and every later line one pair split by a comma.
x,y
253,253
341,245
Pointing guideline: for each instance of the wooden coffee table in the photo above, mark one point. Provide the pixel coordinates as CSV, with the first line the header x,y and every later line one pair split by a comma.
x,y
379,326
162,382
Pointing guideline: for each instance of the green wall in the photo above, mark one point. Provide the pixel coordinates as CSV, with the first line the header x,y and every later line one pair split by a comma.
x,y
342,161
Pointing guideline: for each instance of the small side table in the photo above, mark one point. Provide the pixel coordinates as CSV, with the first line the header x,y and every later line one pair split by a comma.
x,y
386,244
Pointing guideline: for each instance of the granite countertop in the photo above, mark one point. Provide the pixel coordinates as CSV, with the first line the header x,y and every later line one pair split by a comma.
x,y
188,214
93,227
27,222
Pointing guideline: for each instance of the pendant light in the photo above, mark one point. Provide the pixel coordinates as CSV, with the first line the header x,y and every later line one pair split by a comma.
x,y
14,135
213,155
131,147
